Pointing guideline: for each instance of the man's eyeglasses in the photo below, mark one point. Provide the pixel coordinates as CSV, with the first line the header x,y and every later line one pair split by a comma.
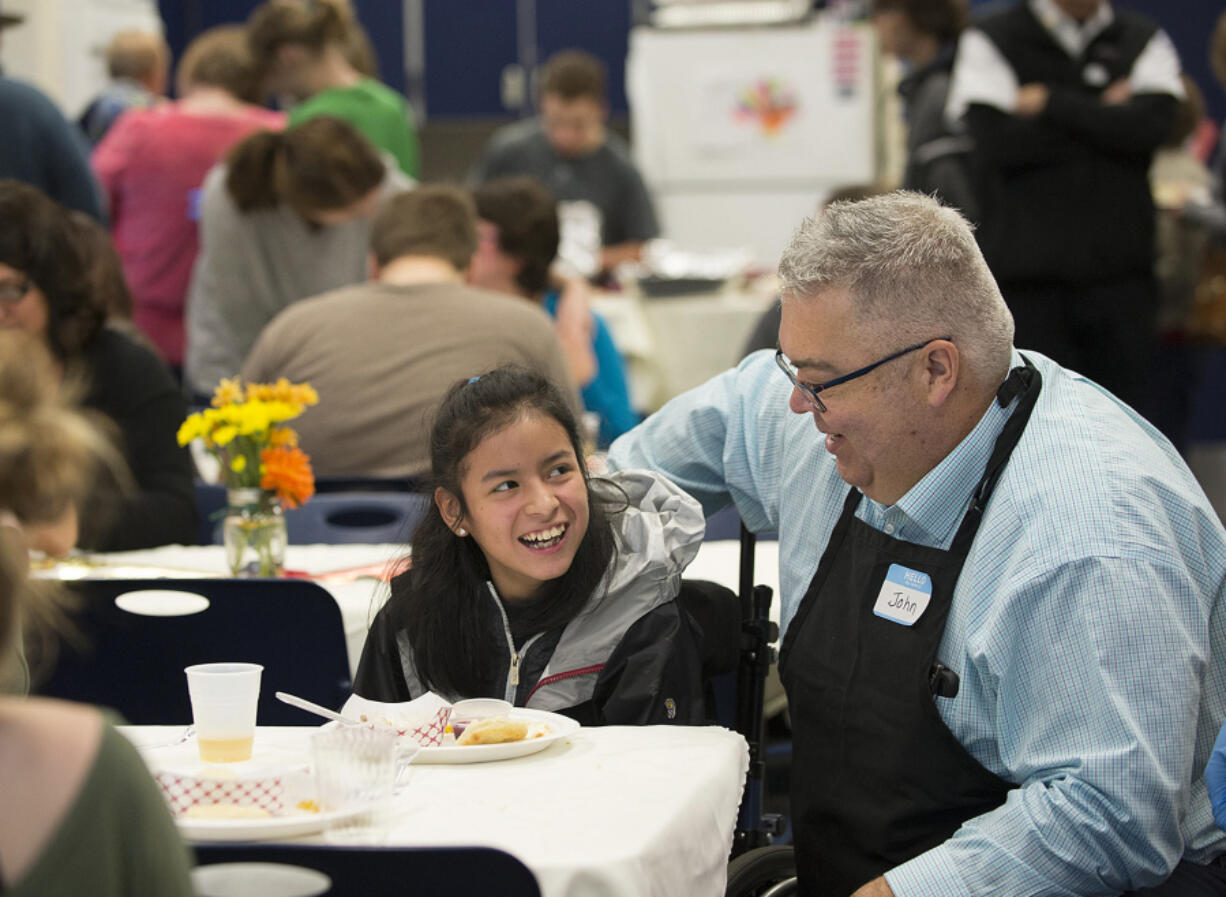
x,y
13,291
810,392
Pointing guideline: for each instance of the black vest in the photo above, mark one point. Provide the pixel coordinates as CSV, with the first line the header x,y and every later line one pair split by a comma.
x,y
1083,213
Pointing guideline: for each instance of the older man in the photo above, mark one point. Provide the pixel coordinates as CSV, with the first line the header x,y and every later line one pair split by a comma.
x,y
1003,642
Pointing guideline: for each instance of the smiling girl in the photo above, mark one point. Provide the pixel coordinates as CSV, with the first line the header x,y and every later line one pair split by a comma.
x,y
534,583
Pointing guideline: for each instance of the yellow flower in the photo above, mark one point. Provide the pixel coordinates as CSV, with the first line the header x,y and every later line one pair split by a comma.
x,y
247,420
228,392
279,411
190,429
298,395
225,434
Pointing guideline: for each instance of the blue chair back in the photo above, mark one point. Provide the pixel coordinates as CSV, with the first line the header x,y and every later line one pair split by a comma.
x,y
369,484
346,517
366,871
135,639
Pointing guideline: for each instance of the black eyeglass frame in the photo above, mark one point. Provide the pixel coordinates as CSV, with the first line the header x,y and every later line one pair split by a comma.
x,y
810,392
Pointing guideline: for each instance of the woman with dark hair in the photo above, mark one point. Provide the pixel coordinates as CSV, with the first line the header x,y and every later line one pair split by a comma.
x,y
317,53
152,164
48,289
532,582
286,217
80,814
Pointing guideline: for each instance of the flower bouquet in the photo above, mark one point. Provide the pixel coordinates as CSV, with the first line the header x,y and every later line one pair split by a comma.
x,y
261,466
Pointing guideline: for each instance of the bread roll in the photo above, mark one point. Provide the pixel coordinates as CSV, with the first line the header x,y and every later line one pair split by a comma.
x,y
495,730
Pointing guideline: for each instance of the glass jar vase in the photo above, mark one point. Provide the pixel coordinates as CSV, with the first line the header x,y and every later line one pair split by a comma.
x,y
253,533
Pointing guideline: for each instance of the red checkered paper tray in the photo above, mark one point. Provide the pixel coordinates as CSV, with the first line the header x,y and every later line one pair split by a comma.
x,y
422,720
271,783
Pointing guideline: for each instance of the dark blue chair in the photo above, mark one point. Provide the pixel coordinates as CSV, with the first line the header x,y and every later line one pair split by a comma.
x,y
369,484
346,517
364,871
131,646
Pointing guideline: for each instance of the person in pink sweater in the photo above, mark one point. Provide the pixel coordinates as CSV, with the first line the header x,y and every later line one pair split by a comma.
x,y
152,164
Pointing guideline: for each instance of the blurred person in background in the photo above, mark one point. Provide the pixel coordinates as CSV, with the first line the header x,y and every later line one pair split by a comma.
x,y
517,243
1182,185
922,35
312,53
1212,215
605,210
40,146
382,354
286,216
1067,102
138,63
152,165
48,288
80,813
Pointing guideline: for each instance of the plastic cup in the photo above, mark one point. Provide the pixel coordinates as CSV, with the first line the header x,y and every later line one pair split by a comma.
x,y
224,699
355,770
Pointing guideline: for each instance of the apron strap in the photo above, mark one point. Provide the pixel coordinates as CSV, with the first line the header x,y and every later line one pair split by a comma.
x,y
1027,382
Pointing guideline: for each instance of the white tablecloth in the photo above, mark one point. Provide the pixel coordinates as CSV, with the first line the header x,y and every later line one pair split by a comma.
x,y
674,344
610,812
358,601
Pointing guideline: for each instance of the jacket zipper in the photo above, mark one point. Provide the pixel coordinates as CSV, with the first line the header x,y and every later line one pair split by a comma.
x,y
508,692
569,674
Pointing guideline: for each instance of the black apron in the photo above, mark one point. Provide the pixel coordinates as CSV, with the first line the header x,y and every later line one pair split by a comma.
x,y
877,778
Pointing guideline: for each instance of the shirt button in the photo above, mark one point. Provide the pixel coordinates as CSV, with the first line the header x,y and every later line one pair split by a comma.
x,y
889,528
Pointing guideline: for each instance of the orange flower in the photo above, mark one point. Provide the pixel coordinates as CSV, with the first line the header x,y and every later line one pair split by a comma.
x,y
288,471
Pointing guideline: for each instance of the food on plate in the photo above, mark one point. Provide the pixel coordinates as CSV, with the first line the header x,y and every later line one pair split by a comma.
x,y
500,730
495,730
308,806
226,811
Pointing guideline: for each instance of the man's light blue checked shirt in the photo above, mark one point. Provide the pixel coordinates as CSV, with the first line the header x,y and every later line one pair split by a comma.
x,y
1087,626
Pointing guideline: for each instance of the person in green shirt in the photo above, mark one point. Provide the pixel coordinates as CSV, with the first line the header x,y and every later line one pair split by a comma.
x,y
80,814
319,57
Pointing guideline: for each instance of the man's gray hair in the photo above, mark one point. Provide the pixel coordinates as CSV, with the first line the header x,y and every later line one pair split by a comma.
x,y
913,271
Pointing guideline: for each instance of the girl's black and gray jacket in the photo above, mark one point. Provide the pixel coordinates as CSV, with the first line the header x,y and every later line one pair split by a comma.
x,y
630,656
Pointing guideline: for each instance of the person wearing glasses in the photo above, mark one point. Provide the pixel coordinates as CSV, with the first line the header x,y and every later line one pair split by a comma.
x,y
55,285
1002,589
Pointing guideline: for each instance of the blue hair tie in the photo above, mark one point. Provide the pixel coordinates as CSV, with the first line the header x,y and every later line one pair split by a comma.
x,y
474,379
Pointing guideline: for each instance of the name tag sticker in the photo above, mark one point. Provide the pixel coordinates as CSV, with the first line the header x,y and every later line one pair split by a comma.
x,y
904,595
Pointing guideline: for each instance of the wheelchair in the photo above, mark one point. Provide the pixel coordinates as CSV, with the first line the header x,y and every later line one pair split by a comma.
x,y
738,651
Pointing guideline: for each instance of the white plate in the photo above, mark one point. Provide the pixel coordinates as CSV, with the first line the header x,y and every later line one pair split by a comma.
x,y
561,727
287,826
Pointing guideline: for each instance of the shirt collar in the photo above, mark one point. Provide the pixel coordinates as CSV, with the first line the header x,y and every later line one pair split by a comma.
x,y
934,506
1070,34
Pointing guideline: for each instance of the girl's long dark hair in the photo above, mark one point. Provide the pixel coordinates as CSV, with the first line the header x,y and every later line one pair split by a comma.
x,y
443,601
